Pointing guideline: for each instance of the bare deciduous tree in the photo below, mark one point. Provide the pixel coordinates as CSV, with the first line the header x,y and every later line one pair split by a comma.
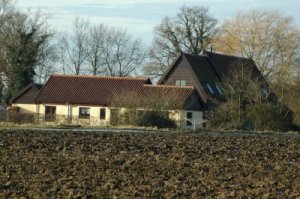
x,y
95,44
6,9
48,57
248,103
122,54
48,51
268,37
74,45
157,63
192,30
103,50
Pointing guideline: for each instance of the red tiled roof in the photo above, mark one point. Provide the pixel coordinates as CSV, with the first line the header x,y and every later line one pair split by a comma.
x,y
172,97
112,91
90,90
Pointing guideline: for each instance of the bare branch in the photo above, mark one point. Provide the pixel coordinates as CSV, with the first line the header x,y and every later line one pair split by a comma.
x,y
191,30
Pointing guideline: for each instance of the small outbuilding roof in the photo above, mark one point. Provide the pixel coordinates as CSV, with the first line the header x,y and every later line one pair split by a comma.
x,y
27,94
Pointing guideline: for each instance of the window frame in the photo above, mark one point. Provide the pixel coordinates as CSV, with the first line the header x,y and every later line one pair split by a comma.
x,y
209,88
102,115
85,115
265,91
180,82
50,116
189,116
219,89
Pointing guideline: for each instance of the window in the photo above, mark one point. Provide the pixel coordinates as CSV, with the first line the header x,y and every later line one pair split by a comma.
x,y
102,113
265,91
50,113
189,117
219,90
84,112
180,82
209,88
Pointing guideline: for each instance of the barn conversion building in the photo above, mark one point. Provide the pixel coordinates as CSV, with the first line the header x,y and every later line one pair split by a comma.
x,y
185,91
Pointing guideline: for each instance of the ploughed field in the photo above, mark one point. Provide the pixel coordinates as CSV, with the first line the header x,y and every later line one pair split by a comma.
x,y
66,164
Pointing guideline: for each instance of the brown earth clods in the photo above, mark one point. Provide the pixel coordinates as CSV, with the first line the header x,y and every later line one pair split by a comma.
x,y
41,164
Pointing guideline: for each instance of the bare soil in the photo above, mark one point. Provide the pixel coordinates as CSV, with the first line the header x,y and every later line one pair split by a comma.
x,y
41,164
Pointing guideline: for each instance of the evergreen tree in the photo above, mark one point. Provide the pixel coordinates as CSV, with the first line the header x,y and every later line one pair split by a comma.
x,y
22,39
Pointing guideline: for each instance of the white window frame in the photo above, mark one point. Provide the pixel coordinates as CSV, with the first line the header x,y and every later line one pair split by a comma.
x,y
181,82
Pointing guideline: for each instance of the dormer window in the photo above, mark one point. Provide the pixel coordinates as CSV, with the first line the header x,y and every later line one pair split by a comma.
x,y
209,88
180,82
265,91
219,89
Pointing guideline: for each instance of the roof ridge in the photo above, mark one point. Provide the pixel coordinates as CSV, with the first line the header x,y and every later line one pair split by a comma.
x,y
167,86
228,55
100,77
222,54
189,54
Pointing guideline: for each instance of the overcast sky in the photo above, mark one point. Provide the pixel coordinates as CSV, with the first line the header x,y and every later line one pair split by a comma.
x,y
140,16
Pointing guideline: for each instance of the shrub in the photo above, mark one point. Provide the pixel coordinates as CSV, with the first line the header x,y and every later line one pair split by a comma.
x,y
268,116
18,118
159,119
224,116
146,118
